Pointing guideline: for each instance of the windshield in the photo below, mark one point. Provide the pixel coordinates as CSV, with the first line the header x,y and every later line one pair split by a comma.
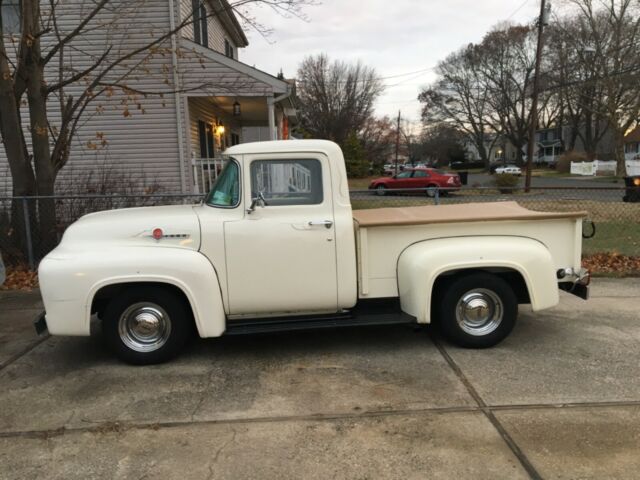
x,y
226,189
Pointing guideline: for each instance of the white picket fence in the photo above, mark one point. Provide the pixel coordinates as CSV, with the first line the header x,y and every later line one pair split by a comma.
x,y
593,168
633,167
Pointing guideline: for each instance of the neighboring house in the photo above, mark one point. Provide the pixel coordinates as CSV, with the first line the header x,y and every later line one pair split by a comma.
x,y
550,143
203,98
632,144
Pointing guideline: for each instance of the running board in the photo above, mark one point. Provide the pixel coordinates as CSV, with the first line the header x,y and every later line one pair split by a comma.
x,y
353,318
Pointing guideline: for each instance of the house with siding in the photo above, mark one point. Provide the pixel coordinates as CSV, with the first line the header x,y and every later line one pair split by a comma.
x,y
170,111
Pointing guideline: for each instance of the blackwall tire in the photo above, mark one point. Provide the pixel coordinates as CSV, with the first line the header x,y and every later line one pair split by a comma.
x,y
146,325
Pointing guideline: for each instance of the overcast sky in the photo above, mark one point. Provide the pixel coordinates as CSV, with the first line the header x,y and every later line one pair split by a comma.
x,y
393,36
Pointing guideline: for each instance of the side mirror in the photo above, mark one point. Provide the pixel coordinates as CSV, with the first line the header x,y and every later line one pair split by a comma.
x,y
258,200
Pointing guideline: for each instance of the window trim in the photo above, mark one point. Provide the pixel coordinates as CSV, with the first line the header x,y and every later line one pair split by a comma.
x,y
16,4
322,199
240,181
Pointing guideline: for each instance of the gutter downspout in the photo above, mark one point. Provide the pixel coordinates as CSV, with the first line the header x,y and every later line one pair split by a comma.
x,y
177,96
271,102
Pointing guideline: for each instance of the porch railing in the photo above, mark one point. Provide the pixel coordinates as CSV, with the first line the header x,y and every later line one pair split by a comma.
x,y
205,171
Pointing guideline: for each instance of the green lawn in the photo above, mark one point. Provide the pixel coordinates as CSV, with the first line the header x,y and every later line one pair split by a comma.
x,y
623,238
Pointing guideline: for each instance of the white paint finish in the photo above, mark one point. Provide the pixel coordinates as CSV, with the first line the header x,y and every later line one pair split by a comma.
x,y
69,279
274,262
420,265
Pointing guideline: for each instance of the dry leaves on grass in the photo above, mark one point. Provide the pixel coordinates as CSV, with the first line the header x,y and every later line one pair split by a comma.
x,y
20,278
614,263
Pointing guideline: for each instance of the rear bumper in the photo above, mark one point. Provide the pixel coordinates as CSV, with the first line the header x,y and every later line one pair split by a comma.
x,y
577,289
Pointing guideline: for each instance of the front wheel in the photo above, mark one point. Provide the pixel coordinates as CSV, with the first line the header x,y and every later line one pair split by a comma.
x,y
146,325
432,190
380,190
478,310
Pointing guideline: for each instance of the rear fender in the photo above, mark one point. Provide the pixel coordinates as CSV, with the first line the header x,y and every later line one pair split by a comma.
x,y
420,265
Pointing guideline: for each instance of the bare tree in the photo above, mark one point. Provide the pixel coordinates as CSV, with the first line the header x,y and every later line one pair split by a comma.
x,y
460,96
336,98
508,61
48,73
613,30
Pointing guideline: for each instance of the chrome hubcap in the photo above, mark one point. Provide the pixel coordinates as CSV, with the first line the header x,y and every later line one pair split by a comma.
x,y
479,312
144,327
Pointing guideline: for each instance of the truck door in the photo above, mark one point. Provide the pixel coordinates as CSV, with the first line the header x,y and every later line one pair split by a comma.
x,y
281,257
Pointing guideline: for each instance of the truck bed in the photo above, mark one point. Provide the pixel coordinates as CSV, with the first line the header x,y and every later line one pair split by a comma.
x,y
470,212
383,234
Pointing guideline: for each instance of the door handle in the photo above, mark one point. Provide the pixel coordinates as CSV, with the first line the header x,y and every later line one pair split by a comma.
x,y
326,223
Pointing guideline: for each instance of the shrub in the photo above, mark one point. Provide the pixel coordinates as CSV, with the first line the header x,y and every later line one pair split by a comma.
x,y
506,182
564,162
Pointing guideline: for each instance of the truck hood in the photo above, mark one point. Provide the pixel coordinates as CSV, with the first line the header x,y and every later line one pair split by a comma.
x,y
135,227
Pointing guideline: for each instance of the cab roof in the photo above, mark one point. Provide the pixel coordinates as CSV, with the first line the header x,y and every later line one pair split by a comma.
x,y
284,146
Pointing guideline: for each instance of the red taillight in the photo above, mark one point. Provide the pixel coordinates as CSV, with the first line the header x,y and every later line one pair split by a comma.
x,y
157,233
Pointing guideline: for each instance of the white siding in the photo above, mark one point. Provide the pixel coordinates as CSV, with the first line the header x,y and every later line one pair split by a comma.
x,y
131,135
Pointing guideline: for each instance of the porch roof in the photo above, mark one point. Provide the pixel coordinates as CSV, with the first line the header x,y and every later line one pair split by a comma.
x,y
272,83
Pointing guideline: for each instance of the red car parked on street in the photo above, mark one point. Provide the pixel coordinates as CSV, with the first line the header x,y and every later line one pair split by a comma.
x,y
429,179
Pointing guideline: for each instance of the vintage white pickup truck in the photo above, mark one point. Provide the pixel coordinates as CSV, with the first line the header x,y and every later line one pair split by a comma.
x,y
276,246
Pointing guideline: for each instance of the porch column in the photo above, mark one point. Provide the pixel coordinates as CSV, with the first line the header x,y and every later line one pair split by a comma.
x,y
271,107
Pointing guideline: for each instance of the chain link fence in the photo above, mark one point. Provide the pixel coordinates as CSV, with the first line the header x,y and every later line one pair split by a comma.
x,y
31,226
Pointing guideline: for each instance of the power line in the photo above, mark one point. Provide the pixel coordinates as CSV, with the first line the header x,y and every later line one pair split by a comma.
x,y
517,10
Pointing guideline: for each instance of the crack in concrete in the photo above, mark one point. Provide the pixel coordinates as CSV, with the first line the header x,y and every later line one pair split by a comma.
x,y
486,410
204,393
212,463
122,426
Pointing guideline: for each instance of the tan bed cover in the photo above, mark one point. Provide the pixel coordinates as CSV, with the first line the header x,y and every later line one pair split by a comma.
x,y
469,212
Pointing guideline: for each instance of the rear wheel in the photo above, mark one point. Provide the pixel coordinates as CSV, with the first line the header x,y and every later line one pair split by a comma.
x,y
477,310
380,190
146,325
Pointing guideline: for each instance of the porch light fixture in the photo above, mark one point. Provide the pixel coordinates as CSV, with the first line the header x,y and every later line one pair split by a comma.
x,y
220,130
236,109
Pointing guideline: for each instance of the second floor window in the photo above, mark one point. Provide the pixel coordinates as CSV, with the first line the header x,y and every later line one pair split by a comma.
x,y
228,48
200,23
10,17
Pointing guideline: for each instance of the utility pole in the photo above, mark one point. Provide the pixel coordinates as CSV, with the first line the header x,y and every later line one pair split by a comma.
x,y
542,22
397,141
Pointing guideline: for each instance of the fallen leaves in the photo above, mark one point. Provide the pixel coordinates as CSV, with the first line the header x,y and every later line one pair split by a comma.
x,y
20,278
612,263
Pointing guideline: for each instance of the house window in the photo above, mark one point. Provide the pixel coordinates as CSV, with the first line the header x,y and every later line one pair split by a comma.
x,y
200,23
207,142
228,48
10,17
235,139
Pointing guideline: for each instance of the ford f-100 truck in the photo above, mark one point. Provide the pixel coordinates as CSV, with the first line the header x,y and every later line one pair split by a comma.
x,y
275,246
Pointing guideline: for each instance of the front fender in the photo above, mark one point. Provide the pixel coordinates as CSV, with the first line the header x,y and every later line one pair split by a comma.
x,y
422,263
70,280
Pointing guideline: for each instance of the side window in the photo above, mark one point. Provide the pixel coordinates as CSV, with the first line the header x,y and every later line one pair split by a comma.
x,y
420,174
406,174
287,182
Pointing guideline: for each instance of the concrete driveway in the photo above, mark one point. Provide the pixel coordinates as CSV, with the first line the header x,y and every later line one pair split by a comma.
x,y
560,398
